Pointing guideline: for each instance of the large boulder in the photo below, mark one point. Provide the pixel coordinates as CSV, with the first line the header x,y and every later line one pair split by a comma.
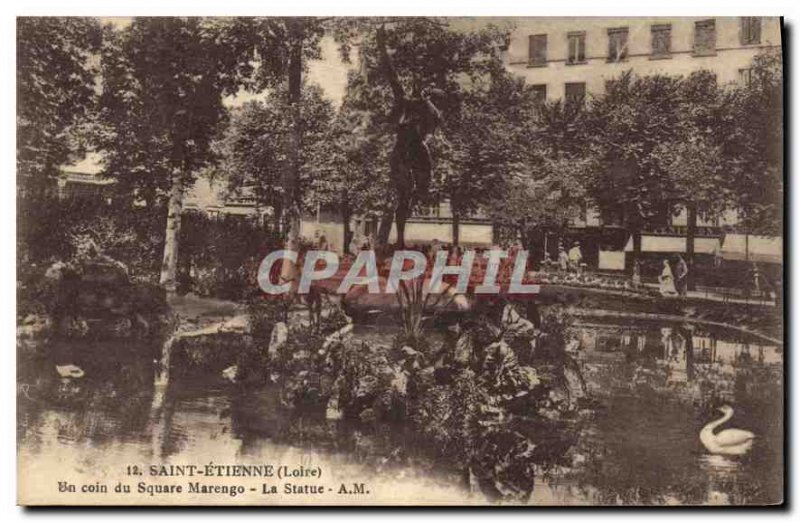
x,y
94,298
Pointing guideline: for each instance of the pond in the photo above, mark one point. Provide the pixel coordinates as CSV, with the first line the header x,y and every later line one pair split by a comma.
x,y
641,444
636,441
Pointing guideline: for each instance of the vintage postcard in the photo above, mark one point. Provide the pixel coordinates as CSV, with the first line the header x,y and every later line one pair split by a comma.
x,y
400,261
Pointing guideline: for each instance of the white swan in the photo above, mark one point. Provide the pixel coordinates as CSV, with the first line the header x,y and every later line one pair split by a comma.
x,y
726,442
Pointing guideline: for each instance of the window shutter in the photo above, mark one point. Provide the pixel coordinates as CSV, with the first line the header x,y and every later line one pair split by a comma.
x,y
537,49
532,49
541,48
705,38
755,25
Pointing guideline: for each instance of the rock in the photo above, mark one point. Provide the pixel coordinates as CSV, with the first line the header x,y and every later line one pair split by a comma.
x,y
104,270
236,324
278,338
56,271
230,372
69,371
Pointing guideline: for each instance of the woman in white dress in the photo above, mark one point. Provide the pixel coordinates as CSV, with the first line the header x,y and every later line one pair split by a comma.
x,y
666,280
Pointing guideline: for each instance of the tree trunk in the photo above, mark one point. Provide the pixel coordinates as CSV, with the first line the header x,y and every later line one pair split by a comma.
x,y
400,217
456,228
385,228
277,217
636,233
291,208
746,245
689,347
346,215
545,253
169,265
691,232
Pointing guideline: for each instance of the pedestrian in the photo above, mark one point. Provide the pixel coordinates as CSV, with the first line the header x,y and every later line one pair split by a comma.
x,y
666,281
681,276
575,257
637,274
563,259
434,250
756,278
366,243
355,244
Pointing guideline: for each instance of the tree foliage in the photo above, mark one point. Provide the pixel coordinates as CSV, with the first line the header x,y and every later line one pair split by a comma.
x,y
546,188
163,85
255,148
753,144
353,163
426,53
55,90
628,129
665,141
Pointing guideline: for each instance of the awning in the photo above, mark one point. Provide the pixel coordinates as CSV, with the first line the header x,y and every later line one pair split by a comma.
x,y
761,249
674,244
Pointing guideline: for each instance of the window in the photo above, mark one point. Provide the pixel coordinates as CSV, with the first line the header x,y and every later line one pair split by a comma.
x,y
537,49
575,92
617,44
428,210
705,37
576,47
745,77
661,40
540,92
750,30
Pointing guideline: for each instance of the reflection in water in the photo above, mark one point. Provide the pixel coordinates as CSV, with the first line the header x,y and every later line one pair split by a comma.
x,y
656,389
653,391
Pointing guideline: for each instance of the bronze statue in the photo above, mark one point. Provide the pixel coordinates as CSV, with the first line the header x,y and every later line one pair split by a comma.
x,y
416,120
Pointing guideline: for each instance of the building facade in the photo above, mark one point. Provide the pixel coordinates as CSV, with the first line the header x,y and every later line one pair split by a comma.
x,y
571,57
427,224
83,180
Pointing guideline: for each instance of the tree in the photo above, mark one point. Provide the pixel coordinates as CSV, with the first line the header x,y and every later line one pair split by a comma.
x,y
548,167
352,168
410,56
694,160
486,145
161,104
627,128
55,96
256,148
281,48
754,145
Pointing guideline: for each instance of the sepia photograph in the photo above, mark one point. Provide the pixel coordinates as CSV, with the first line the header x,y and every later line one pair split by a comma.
x,y
400,261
